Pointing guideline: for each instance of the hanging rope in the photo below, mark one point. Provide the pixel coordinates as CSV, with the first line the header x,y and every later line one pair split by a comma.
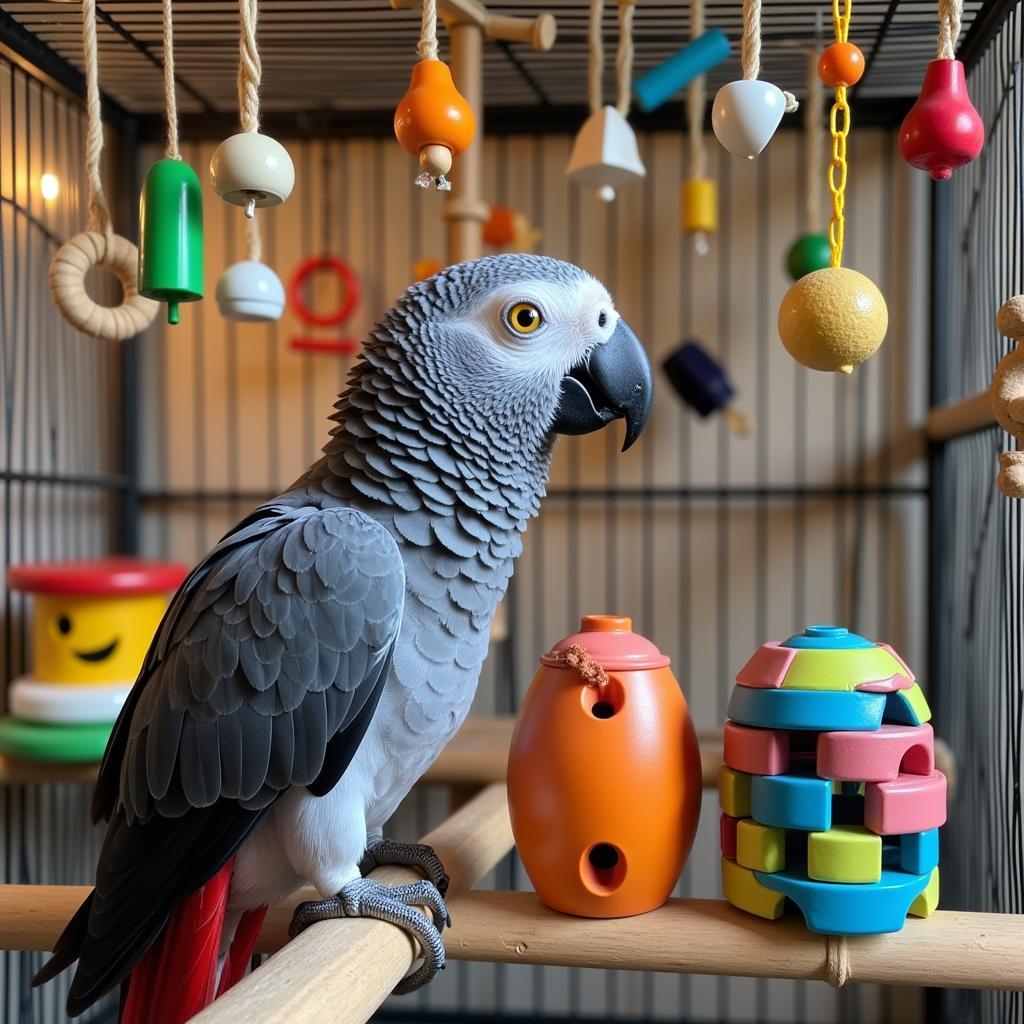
x,y
950,13
170,97
696,102
839,127
97,245
427,46
624,57
99,212
250,69
814,142
750,48
595,59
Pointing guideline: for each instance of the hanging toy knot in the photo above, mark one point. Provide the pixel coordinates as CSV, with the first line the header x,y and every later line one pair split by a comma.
x,y
792,105
578,659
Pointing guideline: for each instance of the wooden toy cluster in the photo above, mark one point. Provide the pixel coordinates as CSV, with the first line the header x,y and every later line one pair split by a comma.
x,y
829,791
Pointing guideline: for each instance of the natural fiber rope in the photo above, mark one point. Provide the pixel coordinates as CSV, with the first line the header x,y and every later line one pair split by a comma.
x,y
98,245
595,56
750,48
250,69
170,98
950,13
837,961
579,660
624,57
696,101
814,142
99,212
427,46
253,242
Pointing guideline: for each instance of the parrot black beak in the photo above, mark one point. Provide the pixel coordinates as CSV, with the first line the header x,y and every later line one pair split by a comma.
x,y
614,383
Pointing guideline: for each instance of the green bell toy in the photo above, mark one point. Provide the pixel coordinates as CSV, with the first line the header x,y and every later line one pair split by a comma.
x,y
171,239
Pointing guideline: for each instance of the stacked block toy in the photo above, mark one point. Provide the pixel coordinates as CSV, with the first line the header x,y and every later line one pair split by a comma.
x,y
829,792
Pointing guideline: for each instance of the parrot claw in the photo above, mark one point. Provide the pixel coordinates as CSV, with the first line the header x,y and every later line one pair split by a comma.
x,y
366,898
386,852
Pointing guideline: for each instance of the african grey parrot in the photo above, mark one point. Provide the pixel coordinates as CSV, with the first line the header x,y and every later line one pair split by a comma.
x,y
314,664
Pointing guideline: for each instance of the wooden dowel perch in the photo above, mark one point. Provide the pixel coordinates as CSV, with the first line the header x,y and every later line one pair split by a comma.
x,y
948,422
947,950
342,971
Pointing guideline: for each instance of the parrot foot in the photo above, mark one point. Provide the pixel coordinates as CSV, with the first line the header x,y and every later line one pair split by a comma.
x,y
366,898
384,852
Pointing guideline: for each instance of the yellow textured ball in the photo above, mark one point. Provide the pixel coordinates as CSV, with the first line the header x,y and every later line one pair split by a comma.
x,y
833,319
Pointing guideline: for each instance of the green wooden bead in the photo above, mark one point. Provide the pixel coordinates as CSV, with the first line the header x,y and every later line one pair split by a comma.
x,y
807,254
171,236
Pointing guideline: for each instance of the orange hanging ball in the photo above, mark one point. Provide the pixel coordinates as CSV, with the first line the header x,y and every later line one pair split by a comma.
x,y
841,64
604,774
433,121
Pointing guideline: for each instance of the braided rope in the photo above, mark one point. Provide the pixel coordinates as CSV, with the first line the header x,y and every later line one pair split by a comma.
x,y
837,961
750,48
250,68
170,96
99,211
595,55
624,57
696,101
426,49
950,13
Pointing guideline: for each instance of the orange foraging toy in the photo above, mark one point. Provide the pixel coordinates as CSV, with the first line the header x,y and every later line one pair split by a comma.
x,y
434,122
841,64
604,774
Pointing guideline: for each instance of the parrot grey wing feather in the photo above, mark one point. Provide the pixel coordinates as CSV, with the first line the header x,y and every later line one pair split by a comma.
x,y
263,655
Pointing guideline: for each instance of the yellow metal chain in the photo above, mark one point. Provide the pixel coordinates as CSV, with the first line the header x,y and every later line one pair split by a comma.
x,y
839,127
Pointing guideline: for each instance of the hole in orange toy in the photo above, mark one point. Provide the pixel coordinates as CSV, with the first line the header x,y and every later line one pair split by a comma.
x,y
603,869
604,701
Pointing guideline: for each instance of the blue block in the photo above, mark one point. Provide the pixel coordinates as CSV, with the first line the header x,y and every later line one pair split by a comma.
x,y
825,710
837,908
919,852
792,801
682,68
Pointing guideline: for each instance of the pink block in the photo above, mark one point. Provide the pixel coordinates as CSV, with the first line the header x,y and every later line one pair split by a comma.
x,y
727,830
910,803
768,667
897,682
895,654
876,756
756,751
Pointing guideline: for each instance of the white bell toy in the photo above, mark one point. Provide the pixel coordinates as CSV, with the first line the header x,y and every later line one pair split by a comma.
x,y
605,155
252,170
250,292
745,115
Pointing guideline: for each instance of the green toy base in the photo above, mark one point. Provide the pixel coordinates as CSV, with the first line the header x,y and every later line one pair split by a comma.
x,y
61,744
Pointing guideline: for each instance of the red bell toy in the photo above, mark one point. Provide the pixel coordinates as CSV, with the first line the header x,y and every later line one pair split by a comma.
x,y
942,131
604,774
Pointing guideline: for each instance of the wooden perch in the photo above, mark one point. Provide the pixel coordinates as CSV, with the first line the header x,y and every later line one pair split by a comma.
x,y
540,31
342,971
950,949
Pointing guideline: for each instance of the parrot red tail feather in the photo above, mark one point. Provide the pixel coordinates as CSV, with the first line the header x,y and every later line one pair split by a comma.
x,y
242,947
178,975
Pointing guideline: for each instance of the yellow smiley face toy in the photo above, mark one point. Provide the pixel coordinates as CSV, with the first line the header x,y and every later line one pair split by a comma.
x,y
92,625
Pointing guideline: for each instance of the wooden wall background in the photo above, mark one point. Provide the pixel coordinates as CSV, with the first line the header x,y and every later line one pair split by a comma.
x,y
713,543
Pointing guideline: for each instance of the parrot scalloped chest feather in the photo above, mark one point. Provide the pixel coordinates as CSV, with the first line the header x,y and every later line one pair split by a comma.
x,y
318,659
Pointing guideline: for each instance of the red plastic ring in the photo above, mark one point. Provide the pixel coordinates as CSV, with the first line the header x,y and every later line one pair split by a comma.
x,y
349,284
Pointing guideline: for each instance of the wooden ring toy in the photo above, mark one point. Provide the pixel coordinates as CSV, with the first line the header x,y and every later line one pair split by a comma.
x,y
67,286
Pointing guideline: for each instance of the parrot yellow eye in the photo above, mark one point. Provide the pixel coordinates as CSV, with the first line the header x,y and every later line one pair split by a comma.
x,y
523,318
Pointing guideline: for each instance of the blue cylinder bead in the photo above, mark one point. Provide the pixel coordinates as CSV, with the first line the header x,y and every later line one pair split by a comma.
x,y
681,68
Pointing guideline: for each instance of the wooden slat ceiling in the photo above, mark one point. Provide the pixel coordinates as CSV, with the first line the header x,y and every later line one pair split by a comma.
x,y
356,54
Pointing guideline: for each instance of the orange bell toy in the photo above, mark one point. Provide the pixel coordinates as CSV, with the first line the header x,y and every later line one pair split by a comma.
x,y
604,774
434,122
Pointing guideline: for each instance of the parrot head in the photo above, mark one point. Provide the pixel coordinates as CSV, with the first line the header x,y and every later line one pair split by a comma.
x,y
528,344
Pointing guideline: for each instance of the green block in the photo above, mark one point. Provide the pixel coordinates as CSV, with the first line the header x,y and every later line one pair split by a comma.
x,y
840,669
734,792
760,847
845,853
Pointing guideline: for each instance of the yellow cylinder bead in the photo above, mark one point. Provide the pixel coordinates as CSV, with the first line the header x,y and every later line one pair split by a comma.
x,y
93,640
700,206
833,319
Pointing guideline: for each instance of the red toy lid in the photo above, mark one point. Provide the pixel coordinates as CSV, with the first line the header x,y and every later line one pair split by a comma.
x,y
611,642
104,578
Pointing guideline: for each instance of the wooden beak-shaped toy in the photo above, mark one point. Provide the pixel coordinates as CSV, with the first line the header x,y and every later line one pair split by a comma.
x,y
1007,395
